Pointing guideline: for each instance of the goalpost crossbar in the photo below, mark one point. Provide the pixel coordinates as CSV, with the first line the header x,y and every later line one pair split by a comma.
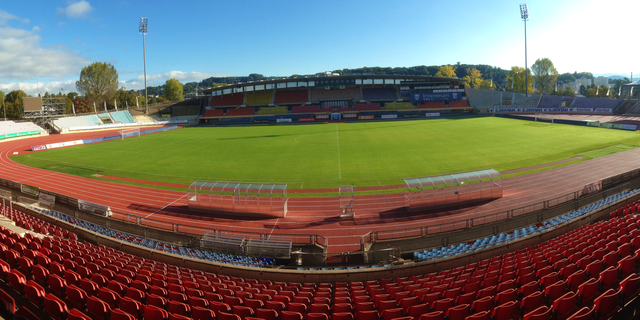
x,y
128,133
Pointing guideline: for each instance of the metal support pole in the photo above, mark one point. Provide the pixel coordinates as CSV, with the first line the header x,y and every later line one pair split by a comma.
x,y
146,95
526,66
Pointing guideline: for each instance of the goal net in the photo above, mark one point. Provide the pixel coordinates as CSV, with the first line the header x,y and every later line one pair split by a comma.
x,y
128,133
541,117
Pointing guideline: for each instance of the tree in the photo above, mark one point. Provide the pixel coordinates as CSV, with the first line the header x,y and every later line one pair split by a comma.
x,y
446,71
473,79
568,91
13,103
487,85
98,82
583,90
82,106
545,74
2,97
516,80
566,78
173,90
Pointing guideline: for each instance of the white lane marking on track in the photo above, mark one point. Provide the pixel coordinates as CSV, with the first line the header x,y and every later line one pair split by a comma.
x,y
274,226
174,201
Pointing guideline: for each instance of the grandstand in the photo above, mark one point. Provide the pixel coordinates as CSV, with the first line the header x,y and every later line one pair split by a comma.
x,y
598,105
340,94
107,120
79,121
430,104
401,106
290,97
551,102
349,94
591,270
484,100
240,112
122,117
262,98
272,110
379,94
520,100
13,129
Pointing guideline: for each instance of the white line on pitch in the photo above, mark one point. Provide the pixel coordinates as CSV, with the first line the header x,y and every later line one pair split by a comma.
x,y
338,139
174,201
274,226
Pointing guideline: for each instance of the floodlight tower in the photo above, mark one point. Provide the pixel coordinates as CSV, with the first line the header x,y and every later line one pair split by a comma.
x,y
524,14
144,22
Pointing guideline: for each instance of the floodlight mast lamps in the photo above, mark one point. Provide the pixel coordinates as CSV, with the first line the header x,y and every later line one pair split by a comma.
x,y
524,14
144,22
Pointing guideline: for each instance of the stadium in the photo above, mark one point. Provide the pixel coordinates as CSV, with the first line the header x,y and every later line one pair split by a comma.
x,y
369,197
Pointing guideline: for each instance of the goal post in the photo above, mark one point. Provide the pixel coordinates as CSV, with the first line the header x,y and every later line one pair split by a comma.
x,y
128,133
541,117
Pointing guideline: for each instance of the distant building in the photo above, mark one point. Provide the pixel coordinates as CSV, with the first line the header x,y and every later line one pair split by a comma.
x,y
583,81
601,81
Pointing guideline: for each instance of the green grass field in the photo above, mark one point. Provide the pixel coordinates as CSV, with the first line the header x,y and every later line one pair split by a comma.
x,y
330,155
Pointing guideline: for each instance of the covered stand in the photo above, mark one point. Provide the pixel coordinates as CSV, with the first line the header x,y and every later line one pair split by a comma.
x,y
455,189
239,199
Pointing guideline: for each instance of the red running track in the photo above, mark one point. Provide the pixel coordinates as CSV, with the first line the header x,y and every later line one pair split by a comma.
x,y
306,215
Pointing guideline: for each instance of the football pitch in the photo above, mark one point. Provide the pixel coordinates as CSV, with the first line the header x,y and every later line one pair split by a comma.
x,y
331,155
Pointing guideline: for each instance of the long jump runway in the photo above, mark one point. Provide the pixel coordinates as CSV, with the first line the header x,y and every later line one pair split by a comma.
x,y
306,215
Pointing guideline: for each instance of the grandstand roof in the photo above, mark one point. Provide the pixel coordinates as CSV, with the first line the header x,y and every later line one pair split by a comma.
x,y
632,84
412,78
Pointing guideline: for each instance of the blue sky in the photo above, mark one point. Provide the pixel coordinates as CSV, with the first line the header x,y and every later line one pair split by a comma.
x,y
45,43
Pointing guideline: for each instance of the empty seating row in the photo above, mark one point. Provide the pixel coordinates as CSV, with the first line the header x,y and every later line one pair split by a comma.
x,y
308,109
374,94
258,98
235,99
550,102
12,127
343,94
240,112
602,103
366,106
79,121
122,117
458,104
291,97
161,246
213,113
431,104
398,106
590,270
273,110
500,239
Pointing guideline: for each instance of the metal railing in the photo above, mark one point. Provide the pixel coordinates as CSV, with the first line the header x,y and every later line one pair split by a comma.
x,y
424,231
312,239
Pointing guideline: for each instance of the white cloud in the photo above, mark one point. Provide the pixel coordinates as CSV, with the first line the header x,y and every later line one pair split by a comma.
x,y
77,10
22,57
5,17
158,79
32,88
